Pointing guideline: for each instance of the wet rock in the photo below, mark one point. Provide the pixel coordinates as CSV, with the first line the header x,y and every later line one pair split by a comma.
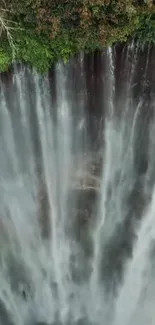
x,y
5,317
18,275
43,211
41,323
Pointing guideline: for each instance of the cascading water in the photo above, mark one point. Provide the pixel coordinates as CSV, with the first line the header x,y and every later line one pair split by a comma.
x,y
77,197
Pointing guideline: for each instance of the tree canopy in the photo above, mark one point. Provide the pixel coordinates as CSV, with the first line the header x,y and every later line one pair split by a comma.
x,y
41,32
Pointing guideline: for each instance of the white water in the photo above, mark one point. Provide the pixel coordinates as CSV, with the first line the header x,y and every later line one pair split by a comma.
x,y
46,274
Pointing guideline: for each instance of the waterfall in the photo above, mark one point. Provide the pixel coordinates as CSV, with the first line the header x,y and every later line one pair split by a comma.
x,y
77,191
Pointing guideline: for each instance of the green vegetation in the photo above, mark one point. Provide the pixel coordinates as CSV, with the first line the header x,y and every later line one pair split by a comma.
x,y
41,32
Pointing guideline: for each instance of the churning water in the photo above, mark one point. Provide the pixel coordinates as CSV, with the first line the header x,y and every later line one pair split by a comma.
x,y
77,195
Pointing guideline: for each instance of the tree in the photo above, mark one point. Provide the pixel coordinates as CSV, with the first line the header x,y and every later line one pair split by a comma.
x,y
6,28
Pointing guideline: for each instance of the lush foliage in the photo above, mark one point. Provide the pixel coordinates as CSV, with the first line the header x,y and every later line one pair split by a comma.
x,y
43,31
